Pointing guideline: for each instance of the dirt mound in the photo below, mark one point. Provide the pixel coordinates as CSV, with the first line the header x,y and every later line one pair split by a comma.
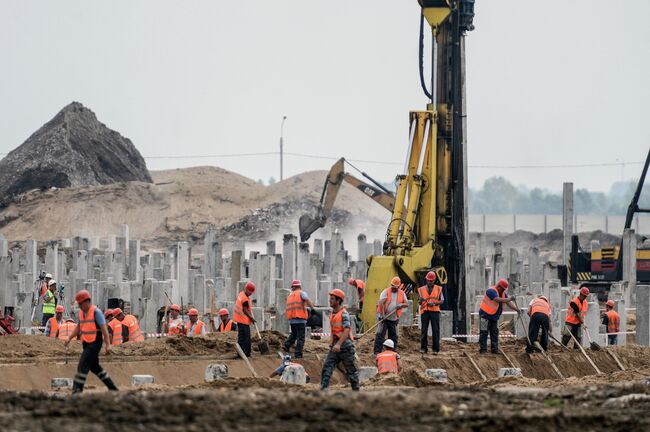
x,y
25,348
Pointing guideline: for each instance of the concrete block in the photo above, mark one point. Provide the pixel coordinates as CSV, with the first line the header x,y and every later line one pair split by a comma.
x,y
367,372
437,375
294,374
281,322
138,380
216,372
643,315
61,383
510,372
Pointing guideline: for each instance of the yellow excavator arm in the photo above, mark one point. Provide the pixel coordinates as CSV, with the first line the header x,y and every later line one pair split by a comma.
x,y
335,178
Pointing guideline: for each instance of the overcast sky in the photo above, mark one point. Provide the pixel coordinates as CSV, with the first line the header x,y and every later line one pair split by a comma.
x,y
548,82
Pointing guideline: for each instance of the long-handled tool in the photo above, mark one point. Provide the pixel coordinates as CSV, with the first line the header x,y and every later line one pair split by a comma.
x,y
575,341
558,342
243,357
165,319
548,359
521,320
376,324
594,346
262,345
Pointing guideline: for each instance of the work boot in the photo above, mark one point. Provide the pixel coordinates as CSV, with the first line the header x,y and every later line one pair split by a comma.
x,y
482,351
423,351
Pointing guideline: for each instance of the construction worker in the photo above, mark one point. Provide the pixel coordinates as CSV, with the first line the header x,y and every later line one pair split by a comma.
x,y
388,359
45,283
430,298
244,317
52,325
539,311
361,289
575,317
115,328
66,328
341,346
130,323
174,324
297,315
92,329
195,327
612,320
226,324
389,308
490,312
49,302
286,361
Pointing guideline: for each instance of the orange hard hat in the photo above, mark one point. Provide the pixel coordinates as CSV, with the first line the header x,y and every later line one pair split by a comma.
x,y
431,276
396,281
338,293
108,312
584,291
250,287
351,281
82,296
117,311
175,307
193,312
223,311
59,308
503,283
296,283
610,303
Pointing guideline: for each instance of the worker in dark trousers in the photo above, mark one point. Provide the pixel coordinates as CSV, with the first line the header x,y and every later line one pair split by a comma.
x,y
430,299
490,312
243,316
341,347
297,315
92,329
612,320
575,317
389,308
539,312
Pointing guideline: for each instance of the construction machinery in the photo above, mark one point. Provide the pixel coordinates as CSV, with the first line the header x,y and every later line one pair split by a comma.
x,y
603,266
427,229
335,178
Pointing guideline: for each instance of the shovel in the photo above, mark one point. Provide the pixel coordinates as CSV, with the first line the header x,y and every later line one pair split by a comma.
x,y
593,345
377,323
262,345
558,342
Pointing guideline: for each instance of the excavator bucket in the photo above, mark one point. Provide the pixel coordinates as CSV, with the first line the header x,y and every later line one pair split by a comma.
x,y
307,224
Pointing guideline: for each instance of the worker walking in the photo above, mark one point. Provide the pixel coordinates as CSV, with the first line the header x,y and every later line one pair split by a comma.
x,y
341,346
490,312
49,302
297,315
174,324
389,308
243,316
361,289
53,324
195,327
92,329
612,320
388,359
539,311
575,317
430,299
226,324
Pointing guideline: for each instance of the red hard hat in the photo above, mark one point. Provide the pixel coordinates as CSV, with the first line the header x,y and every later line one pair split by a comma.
x,y
610,303
338,293
175,307
223,311
250,287
108,312
82,296
395,281
193,312
351,281
584,291
59,308
503,283
296,283
431,276
117,311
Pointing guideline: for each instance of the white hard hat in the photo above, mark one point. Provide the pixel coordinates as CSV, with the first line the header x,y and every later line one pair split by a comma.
x,y
52,282
48,275
389,343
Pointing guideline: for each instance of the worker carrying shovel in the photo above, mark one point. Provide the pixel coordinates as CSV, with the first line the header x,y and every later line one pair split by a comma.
x,y
490,312
389,308
575,317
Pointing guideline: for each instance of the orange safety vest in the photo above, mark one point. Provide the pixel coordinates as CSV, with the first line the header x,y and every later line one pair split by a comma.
x,y
540,305
401,298
296,306
116,327
54,327
135,335
197,328
174,328
571,317
87,327
336,322
488,305
238,315
387,362
66,329
613,321
227,327
426,297
361,288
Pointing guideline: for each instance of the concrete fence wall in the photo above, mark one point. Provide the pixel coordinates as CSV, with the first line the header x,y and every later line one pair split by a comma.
x,y
508,223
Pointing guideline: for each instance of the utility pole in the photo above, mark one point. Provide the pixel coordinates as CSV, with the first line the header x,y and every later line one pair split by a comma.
x,y
282,148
